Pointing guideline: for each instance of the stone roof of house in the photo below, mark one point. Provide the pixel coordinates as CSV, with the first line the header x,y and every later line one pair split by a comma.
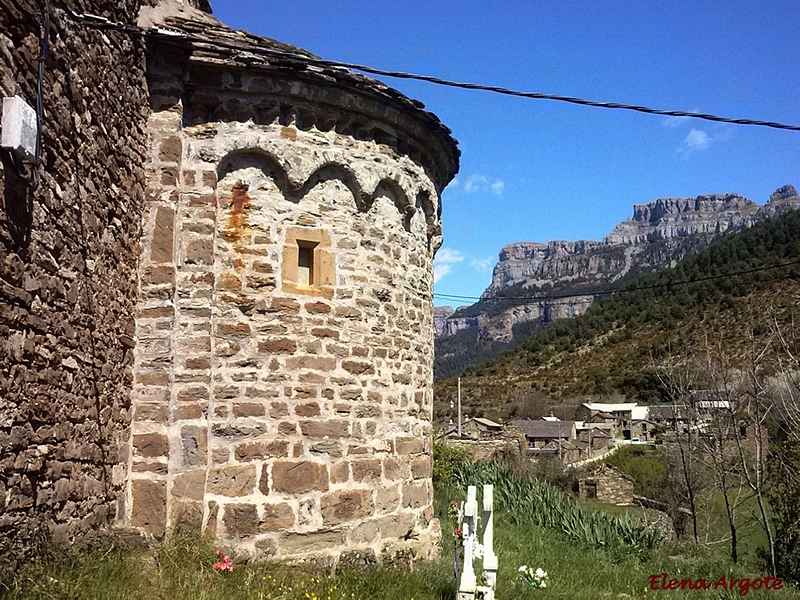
x,y
487,423
545,429
174,15
667,412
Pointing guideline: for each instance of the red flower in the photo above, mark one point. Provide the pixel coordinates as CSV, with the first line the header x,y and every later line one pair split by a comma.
x,y
224,563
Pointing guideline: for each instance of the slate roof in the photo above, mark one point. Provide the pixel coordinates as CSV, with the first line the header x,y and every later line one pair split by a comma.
x,y
202,25
545,429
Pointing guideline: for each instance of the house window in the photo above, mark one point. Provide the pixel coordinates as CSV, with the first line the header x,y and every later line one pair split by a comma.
x,y
307,262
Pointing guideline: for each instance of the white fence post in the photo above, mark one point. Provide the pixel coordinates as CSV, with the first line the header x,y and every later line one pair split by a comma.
x,y
489,557
466,587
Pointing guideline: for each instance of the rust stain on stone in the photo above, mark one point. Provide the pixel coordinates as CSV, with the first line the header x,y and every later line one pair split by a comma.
x,y
237,228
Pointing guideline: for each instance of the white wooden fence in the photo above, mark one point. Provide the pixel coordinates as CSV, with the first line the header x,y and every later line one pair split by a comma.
x,y
469,522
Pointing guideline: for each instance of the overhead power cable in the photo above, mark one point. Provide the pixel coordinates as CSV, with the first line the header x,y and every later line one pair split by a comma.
x,y
97,22
612,292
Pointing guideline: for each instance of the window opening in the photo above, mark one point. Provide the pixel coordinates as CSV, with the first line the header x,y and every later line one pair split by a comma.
x,y
305,263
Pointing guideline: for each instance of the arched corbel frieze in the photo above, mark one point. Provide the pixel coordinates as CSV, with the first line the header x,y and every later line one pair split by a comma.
x,y
258,159
334,171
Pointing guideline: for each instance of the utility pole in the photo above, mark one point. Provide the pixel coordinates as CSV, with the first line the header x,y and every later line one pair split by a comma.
x,y
459,407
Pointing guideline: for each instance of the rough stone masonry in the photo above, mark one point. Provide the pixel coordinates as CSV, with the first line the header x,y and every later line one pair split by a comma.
x,y
68,270
259,365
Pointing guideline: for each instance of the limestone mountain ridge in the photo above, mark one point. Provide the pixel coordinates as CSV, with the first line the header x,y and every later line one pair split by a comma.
x,y
659,233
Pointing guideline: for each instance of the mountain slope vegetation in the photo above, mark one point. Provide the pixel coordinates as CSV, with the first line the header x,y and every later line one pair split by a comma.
x,y
729,296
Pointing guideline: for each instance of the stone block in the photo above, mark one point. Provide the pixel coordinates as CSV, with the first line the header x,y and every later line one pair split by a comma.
x,y
278,409
189,411
236,329
357,367
331,428
151,445
189,485
308,543
199,251
186,513
416,494
325,332
340,472
284,305
314,363
408,445
361,558
231,480
163,235
156,412
194,445
330,447
287,428
211,522
318,307
170,149
149,505
277,346
299,477
261,450
364,533
346,505
421,467
387,499
309,409
366,469
240,520
248,409
277,517
397,526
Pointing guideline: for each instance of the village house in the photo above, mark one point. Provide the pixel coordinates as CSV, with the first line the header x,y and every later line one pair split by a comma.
x,y
476,428
619,415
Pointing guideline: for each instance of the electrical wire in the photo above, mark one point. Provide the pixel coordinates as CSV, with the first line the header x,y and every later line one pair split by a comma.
x,y
43,48
597,294
173,35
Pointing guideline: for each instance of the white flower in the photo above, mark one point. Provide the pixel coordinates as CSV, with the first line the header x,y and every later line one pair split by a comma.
x,y
522,568
540,572
543,584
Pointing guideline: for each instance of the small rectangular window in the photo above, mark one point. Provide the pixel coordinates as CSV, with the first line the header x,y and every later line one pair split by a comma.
x,y
305,263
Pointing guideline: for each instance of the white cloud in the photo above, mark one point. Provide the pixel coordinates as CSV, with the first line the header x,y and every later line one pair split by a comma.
x,y
481,265
444,261
675,122
697,139
481,183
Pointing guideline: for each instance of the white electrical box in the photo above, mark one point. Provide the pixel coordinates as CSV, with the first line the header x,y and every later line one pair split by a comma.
x,y
19,128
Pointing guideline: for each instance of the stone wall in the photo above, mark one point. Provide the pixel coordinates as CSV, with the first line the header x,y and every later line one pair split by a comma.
x,y
607,484
68,256
280,405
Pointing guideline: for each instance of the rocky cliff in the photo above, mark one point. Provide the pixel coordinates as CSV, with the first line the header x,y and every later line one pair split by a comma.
x,y
567,274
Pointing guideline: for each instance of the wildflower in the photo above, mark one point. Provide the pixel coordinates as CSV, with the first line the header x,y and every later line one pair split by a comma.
x,y
223,563
535,578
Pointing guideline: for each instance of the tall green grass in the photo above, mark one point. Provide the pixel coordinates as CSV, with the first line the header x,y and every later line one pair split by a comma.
x,y
529,501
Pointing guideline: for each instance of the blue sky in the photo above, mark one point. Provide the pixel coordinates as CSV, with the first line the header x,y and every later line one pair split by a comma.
x,y
539,170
